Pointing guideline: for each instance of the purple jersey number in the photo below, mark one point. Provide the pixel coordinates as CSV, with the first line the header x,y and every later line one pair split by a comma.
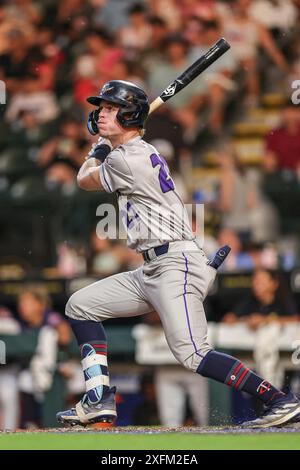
x,y
129,215
165,180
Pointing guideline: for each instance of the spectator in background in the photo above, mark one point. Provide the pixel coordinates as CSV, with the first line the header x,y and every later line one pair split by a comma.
x,y
114,15
245,254
14,59
9,390
282,170
184,107
283,143
67,147
169,11
146,413
34,309
268,307
71,32
61,175
154,51
202,34
107,257
294,75
239,259
25,10
27,133
269,301
135,37
69,9
278,16
130,71
159,32
31,97
71,260
243,206
12,23
46,56
206,9
35,314
93,66
245,36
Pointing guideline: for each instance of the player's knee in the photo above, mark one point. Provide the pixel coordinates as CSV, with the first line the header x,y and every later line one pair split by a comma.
x,y
193,361
74,308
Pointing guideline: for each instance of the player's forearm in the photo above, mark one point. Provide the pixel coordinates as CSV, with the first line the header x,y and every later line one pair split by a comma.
x,y
88,175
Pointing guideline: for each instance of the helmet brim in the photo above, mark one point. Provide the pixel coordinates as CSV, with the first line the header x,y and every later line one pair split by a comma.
x,y
95,100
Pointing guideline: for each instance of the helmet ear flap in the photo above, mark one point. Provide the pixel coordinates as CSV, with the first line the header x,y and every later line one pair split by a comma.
x,y
126,114
92,123
130,116
137,110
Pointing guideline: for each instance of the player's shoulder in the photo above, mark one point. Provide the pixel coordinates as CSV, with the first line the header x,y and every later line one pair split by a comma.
x,y
117,160
135,148
136,144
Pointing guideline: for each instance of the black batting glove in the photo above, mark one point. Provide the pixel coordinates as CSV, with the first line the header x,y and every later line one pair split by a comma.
x,y
100,152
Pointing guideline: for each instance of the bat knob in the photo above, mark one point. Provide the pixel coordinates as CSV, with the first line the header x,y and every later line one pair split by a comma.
x,y
223,44
220,256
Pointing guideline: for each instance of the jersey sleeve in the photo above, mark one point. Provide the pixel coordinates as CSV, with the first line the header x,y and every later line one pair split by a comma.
x,y
115,173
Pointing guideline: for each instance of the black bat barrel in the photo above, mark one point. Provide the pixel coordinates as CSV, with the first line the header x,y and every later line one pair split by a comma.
x,y
213,54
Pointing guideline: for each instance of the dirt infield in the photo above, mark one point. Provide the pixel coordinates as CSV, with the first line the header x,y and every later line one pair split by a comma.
x,y
159,430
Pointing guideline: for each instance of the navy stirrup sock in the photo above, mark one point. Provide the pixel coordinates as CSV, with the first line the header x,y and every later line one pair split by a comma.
x,y
232,372
92,342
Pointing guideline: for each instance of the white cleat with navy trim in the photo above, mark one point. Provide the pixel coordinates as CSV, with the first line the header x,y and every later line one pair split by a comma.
x,y
84,413
283,411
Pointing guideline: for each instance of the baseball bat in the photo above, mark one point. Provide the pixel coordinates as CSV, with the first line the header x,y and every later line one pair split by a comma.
x,y
213,54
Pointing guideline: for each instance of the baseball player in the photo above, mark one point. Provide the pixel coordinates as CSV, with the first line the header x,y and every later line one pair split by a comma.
x,y
174,279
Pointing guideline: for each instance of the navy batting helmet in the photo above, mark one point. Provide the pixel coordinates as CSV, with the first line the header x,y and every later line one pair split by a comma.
x,y
133,102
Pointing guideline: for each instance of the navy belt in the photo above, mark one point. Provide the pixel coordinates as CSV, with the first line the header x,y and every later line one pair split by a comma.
x,y
158,250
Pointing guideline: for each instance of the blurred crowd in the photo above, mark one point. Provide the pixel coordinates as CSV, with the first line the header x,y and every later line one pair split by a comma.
x,y
53,55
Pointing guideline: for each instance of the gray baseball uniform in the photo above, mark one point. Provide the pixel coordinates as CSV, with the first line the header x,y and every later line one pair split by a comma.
x,y
175,283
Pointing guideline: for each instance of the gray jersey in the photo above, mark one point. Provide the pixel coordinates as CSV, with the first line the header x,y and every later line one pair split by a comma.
x,y
152,210
173,284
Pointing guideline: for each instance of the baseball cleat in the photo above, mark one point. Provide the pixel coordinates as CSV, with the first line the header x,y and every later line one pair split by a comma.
x,y
283,411
85,413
